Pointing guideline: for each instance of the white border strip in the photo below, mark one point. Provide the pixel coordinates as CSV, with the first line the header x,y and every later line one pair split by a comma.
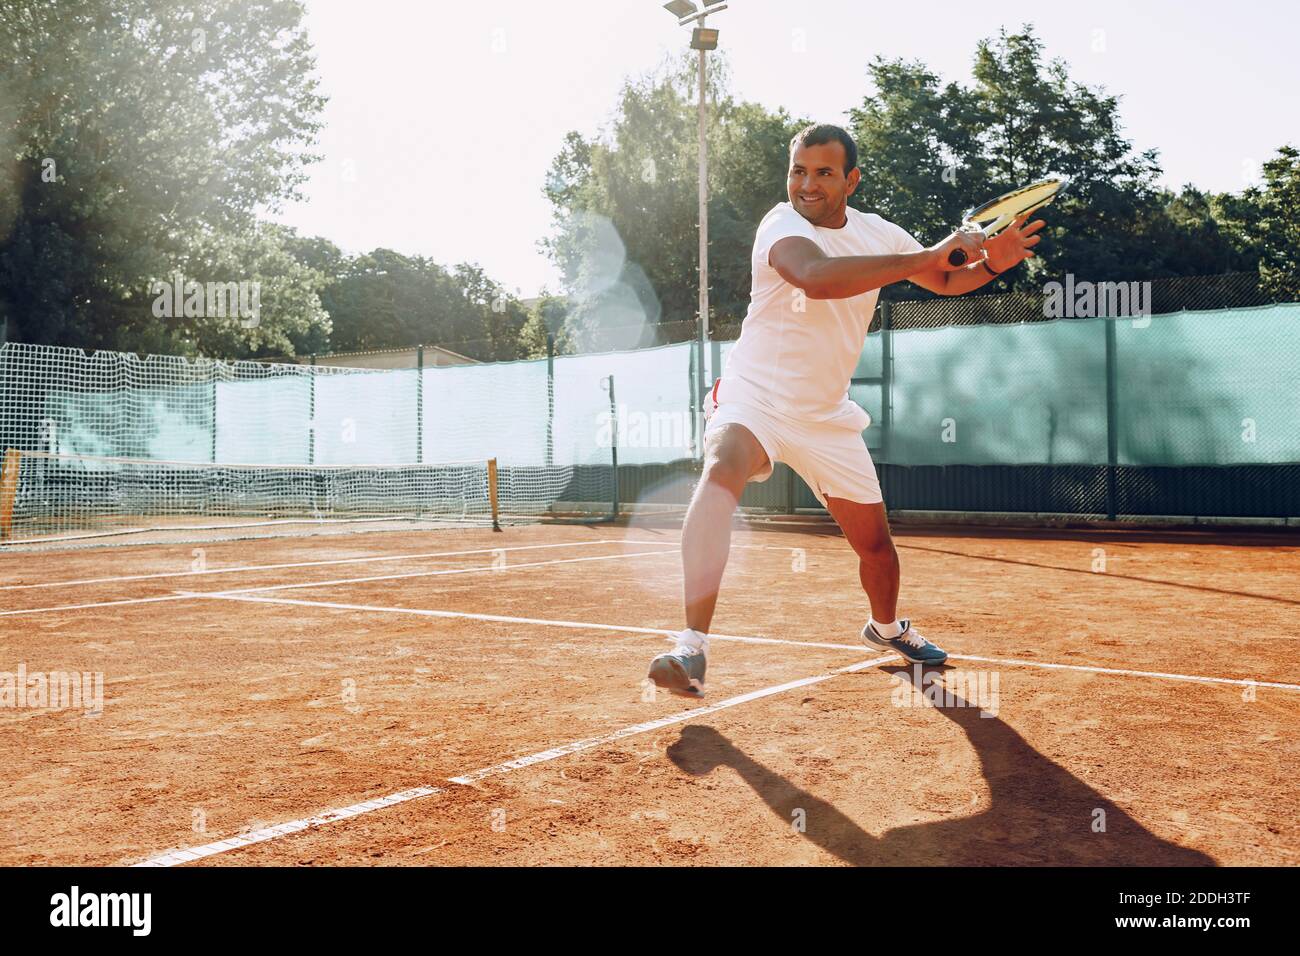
x,y
177,857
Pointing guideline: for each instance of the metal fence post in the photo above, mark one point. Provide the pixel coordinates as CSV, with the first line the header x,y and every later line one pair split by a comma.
x,y
1112,435
213,435
613,441
419,404
311,413
886,378
550,400
697,438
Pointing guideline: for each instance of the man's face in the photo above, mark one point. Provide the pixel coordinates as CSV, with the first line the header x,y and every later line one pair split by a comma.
x,y
817,186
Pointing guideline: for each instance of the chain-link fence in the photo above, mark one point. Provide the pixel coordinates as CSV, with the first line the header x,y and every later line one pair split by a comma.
x,y
977,402
910,308
1157,297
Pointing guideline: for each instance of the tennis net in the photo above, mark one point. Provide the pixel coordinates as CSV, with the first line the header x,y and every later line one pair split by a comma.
x,y
47,497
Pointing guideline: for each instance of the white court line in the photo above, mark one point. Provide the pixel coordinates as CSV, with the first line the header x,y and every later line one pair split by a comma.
x,y
1122,672
506,619
394,557
79,607
630,629
187,596
305,564
439,572
590,742
177,857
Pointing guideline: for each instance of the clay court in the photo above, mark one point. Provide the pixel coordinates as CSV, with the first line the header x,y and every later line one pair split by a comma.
x,y
468,697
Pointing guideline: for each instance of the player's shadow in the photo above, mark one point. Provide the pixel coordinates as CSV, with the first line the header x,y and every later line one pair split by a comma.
x,y
1039,813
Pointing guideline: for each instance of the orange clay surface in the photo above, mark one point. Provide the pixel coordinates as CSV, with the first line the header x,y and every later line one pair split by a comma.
x,y
223,717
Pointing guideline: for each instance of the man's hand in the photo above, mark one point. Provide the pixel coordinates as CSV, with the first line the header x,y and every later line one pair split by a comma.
x,y
1011,247
970,243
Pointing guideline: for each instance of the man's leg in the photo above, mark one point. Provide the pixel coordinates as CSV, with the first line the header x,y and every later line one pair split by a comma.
x,y
866,527
731,455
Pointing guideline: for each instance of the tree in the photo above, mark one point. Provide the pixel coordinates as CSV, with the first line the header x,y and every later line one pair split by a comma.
x,y
930,151
1266,221
625,206
547,316
135,133
383,299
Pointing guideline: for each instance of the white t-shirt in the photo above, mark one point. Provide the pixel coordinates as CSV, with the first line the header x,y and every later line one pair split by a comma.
x,y
796,355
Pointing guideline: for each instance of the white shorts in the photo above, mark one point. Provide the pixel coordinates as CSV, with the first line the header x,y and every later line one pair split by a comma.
x,y
830,457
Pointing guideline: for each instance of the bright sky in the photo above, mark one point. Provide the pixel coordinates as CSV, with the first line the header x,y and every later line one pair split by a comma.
x,y
444,117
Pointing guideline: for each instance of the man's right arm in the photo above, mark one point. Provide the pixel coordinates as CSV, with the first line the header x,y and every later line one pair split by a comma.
x,y
800,262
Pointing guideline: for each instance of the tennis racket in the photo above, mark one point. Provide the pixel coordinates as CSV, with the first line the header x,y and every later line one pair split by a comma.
x,y
996,214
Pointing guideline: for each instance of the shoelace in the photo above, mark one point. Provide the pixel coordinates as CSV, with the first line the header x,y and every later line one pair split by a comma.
x,y
687,650
912,639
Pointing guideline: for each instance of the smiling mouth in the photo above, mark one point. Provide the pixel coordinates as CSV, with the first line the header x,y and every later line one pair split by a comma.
x,y
808,199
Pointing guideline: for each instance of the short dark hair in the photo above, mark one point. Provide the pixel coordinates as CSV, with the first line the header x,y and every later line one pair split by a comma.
x,y
819,134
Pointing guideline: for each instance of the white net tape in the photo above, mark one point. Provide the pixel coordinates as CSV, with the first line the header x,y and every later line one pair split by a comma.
x,y
46,497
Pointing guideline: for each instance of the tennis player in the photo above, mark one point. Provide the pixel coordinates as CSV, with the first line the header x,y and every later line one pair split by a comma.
x,y
818,267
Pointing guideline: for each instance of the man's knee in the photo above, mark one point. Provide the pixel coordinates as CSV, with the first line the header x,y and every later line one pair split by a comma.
x,y
867,529
875,545
729,472
731,457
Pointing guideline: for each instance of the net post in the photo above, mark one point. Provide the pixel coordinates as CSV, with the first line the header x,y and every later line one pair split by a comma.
x,y
492,494
9,491
1112,407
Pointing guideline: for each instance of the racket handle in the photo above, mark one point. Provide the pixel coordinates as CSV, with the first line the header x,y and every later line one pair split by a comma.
x,y
957,257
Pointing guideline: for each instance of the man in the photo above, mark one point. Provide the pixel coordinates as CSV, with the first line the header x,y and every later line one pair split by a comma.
x,y
817,267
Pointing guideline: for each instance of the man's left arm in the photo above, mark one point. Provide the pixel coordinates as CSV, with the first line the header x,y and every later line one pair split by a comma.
x,y
1004,251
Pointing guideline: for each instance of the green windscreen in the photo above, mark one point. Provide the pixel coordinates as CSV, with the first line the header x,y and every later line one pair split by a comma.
x,y
999,394
1210,387
1193,388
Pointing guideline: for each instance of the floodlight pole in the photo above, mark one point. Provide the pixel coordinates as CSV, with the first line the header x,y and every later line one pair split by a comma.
x,y
697,18
702,384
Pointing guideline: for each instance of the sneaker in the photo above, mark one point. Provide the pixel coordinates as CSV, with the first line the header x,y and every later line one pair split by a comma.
x,y
910,645
681,670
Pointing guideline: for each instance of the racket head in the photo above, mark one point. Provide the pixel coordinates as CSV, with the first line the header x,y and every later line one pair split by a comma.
x,y
998,213
995,215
